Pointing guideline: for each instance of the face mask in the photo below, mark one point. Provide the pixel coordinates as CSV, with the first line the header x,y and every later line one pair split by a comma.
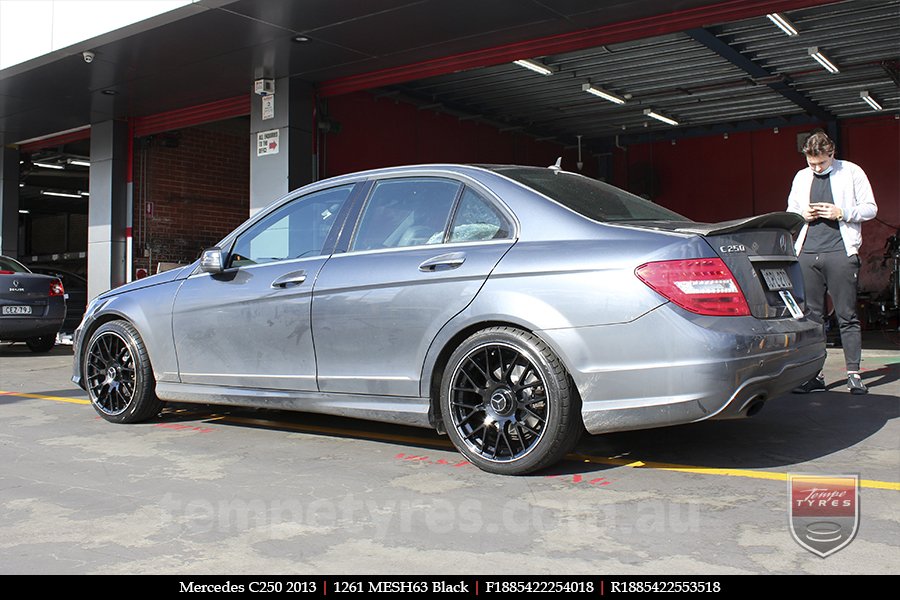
x,y
826,171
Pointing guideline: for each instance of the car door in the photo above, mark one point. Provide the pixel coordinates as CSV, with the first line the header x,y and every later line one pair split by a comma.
x,y
249,326
421,250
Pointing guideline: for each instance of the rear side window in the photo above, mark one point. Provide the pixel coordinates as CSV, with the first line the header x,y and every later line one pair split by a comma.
x,y
406,212
477,220
593,199
8,265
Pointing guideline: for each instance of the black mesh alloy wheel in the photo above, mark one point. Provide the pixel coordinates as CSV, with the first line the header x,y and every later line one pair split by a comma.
x,y
507,402
118,375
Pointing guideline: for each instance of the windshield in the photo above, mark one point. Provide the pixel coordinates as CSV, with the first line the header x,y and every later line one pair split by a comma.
x,y
593,199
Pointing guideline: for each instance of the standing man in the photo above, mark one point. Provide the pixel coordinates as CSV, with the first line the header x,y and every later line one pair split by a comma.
x,y
834,197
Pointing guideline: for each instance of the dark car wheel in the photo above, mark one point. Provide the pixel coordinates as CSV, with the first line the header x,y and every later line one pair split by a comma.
x,y
507,402
118,374
44,343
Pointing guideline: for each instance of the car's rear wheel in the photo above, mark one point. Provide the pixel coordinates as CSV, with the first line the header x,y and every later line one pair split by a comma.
x,y
508,403
118,374
44,343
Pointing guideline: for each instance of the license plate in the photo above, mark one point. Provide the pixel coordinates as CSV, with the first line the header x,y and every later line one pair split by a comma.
x,y
776,279
16,310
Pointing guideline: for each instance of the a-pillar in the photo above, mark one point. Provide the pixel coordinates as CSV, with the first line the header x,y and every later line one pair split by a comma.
x,y
274,173
107,206
9,201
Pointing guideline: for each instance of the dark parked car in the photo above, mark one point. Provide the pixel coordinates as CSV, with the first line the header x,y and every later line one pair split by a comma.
x,y
32,306
510,307
76,294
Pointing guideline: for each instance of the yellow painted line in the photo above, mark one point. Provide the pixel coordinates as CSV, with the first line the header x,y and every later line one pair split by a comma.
x,y
40,397
409,439
770,475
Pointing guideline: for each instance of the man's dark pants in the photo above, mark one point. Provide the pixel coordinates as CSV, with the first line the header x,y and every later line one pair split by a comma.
x,y
837,274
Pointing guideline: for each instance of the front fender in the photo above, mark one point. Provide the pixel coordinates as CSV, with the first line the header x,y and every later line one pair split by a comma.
x,y
149,310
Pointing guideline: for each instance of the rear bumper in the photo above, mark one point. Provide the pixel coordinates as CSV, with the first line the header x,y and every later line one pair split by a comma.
x,y
671,367
19,329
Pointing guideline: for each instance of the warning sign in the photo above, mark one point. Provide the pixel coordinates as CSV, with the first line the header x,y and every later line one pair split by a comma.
x,y
267,142
268,107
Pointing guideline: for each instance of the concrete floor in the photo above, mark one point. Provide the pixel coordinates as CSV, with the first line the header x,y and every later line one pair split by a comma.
x,y
203,490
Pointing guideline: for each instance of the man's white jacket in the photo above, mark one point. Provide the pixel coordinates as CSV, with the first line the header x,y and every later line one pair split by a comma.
x,y
852,193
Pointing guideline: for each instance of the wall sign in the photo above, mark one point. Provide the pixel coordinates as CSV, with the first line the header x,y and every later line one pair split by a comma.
x,y
267,142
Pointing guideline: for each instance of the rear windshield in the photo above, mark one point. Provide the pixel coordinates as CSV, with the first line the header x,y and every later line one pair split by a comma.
x,y
11,266
593,199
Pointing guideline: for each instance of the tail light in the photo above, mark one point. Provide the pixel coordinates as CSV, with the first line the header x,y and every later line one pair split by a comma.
x,y
4,272
56,288
704,286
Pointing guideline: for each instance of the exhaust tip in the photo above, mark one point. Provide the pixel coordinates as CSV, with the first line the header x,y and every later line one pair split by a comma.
x,y
755,406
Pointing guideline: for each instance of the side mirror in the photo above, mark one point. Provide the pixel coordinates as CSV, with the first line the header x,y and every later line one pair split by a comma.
x,y
212,261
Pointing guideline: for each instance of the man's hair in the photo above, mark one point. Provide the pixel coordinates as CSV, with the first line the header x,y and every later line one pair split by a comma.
x,y
817,144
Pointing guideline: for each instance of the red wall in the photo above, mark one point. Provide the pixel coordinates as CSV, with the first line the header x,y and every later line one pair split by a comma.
x,y
715,179
385,132
200,191
874,144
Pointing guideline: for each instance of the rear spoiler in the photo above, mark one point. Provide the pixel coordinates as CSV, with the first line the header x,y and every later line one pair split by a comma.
x,y
774,220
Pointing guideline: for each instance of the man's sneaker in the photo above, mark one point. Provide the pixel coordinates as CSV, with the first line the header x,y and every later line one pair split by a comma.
x,y
816,384
855,384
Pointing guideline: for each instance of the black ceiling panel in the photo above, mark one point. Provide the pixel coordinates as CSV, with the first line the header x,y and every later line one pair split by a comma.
x,y
309,15
432,23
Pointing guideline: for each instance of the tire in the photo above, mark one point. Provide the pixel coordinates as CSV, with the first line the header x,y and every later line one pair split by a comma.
x,y
508,403
45,343
118,376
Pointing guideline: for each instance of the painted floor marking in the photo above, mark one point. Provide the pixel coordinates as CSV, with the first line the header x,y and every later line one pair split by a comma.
x,y
41,397
390,437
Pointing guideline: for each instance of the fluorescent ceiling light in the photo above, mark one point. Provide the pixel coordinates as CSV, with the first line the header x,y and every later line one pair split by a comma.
x,y
783,24
80,163
649,112
586,87
60,194
822,60
48,165
23,211
870,100
85,193
533,65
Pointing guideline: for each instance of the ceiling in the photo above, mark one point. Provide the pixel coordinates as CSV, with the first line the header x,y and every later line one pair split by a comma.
x,y
214,49
709,76
738,75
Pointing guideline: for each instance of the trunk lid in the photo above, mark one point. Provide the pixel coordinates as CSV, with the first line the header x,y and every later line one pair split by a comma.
x,y
26,289
759,251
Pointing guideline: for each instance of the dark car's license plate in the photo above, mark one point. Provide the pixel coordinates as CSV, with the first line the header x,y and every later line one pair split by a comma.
x,y
16,310
776,279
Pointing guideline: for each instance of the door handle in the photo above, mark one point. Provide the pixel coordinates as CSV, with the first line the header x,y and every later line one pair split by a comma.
x,y
295,278
443,262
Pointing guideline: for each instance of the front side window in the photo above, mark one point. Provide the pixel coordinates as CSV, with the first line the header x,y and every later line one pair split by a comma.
x,y
296,230
477,220
406,212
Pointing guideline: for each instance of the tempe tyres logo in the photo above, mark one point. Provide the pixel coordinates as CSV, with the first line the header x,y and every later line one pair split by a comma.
x,y
824,511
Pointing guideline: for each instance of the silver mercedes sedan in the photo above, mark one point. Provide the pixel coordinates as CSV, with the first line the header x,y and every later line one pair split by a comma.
x,y
509,307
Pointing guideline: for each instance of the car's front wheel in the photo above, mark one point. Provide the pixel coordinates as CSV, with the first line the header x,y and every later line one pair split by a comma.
x,y
118,374
508,403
